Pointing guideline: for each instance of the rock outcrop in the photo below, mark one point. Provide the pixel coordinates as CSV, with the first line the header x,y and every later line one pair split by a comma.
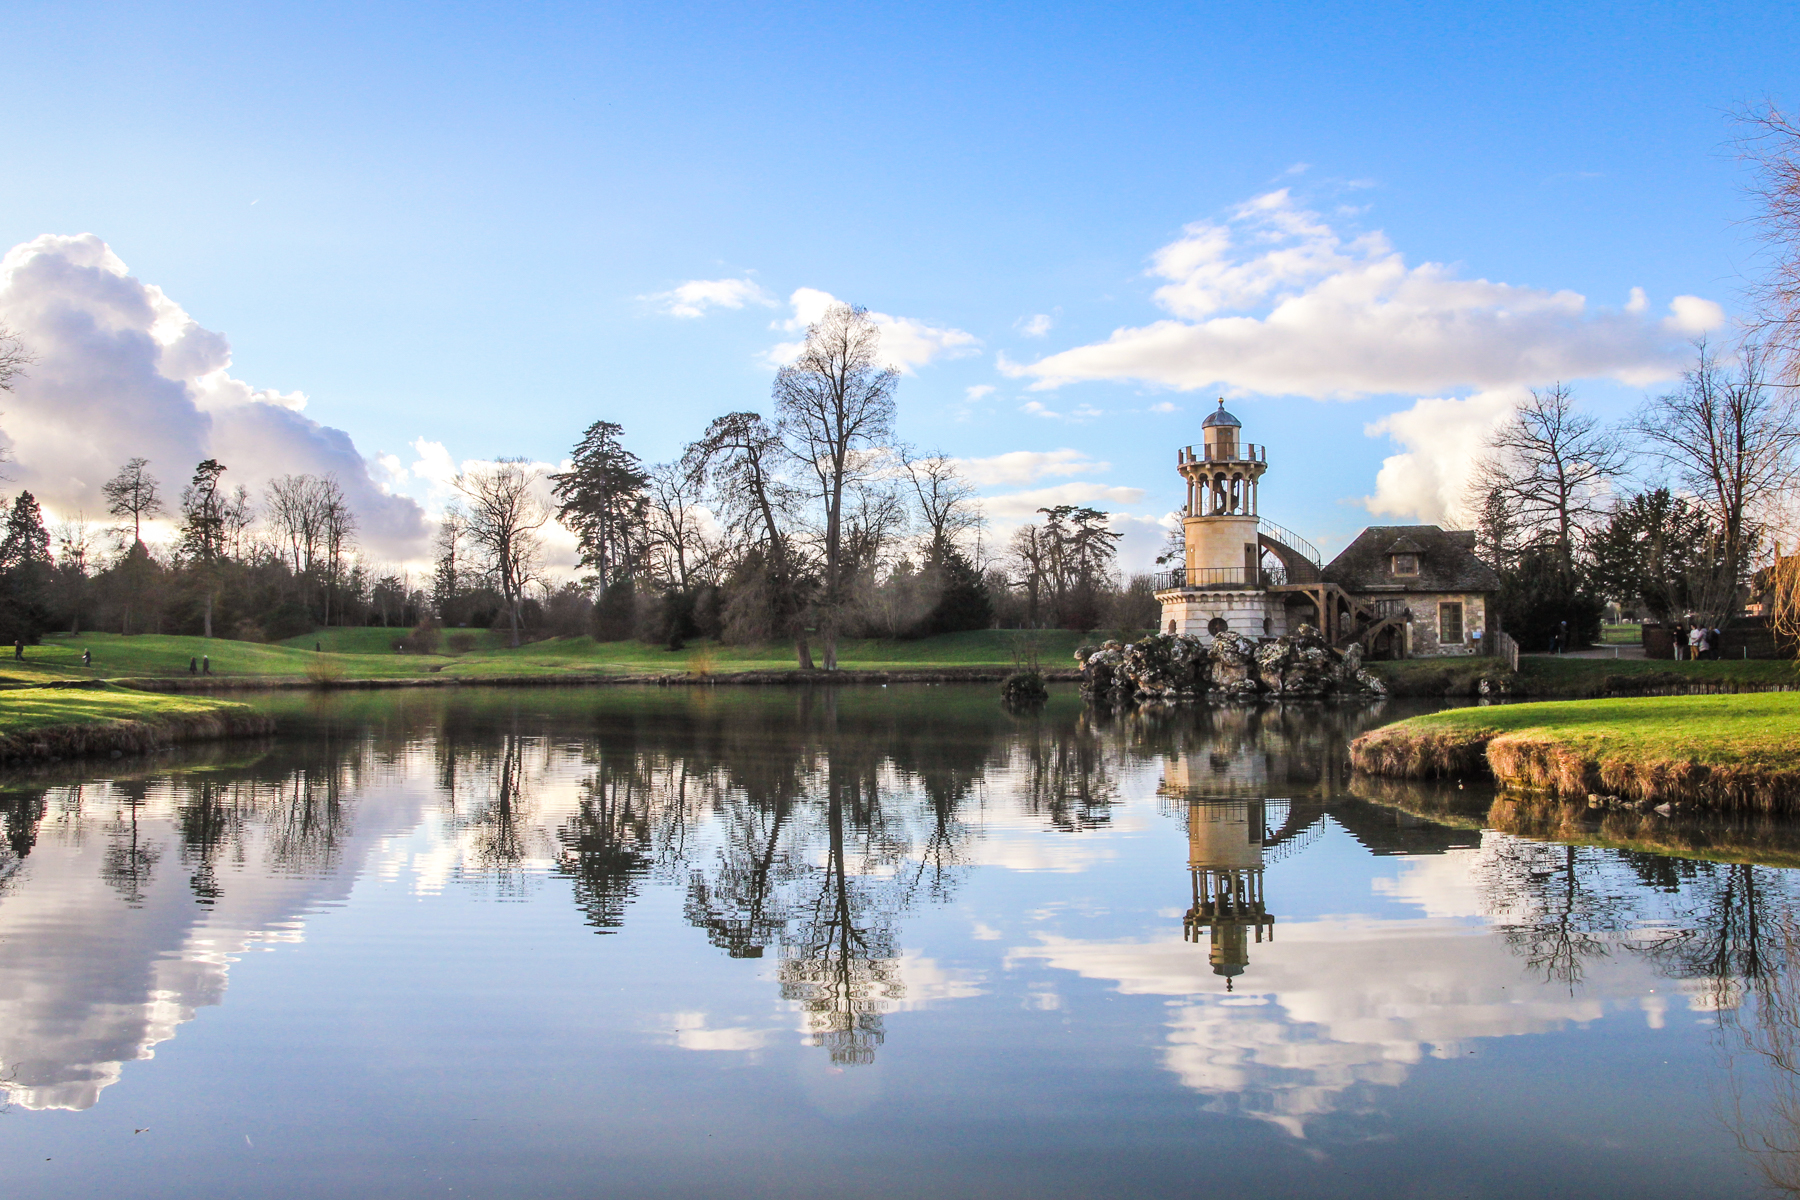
x,y
1228,666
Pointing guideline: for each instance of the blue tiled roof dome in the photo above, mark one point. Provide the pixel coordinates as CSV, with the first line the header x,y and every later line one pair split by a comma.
x,y
1221,418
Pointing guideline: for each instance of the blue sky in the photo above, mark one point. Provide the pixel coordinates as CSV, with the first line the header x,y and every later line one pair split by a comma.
x,y
463,223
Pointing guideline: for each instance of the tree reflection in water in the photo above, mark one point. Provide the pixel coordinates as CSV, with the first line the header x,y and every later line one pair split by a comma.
x,y
805,826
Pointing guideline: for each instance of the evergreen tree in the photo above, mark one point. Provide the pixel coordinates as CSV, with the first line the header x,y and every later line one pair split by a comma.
x,y
602,502
25,567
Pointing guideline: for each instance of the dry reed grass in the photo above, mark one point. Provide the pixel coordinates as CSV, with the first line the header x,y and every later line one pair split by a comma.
x,y
1540,764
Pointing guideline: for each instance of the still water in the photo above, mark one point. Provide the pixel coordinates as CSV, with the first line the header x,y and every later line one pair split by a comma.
x,y
864,942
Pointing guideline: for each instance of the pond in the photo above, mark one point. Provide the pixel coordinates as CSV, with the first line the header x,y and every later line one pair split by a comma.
x,y
864,942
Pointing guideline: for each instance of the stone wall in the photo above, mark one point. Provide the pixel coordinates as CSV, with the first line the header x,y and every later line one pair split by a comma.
x,y
1249,613
1425,638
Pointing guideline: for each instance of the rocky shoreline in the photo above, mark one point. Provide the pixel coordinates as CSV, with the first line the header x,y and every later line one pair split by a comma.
x,y
1226,666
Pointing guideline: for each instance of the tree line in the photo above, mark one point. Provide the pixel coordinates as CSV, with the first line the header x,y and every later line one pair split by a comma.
x,y
1666,515
805,526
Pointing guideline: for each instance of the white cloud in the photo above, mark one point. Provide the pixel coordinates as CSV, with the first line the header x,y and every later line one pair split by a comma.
x,y
691,1031
1079,414
1275,300
1035,326
123,371
1440,441
1165,407
1026,504
906,343
694,297
979,390
1019,467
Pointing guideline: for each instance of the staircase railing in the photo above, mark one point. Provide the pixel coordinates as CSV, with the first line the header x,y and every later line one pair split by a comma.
x,y
1292,540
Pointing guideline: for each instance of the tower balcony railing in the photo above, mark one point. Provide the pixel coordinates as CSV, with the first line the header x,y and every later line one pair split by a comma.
x,y
1219,578
1231,452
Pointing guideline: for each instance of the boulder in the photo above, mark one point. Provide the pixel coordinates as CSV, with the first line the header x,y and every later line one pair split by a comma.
x,y
1169,667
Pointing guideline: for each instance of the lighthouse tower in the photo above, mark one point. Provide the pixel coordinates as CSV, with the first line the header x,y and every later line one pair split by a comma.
x,y
1223,583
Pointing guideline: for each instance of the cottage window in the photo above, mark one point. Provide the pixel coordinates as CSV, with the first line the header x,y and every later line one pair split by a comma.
x,y
1450,622
1406,564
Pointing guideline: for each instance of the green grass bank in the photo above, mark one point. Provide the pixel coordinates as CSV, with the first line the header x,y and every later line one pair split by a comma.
x,y
1726,752
348,655
50,723
365,655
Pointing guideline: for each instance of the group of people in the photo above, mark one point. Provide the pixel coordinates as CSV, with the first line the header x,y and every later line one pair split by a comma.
x,y
1697,641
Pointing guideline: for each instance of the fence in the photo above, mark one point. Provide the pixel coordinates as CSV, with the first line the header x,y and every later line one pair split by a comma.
x,y
1501,645
1218,578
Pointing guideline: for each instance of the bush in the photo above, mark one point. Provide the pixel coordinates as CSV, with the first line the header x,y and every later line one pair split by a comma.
x,y
461,643
424,637
249,631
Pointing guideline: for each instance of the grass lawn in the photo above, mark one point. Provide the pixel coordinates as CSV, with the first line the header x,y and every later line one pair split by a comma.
x,y
1758,730
25,709
1575,678
368,654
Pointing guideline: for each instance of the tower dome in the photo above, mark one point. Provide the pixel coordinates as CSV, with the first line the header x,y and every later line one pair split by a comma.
x,y
1221,418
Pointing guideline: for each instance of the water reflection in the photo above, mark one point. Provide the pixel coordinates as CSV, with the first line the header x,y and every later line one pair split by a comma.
x,y
804,839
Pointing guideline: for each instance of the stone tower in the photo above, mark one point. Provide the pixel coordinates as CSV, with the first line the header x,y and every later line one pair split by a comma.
x,y
1224,581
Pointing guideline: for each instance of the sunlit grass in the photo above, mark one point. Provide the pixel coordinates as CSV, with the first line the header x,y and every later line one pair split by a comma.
x,y
23,709
1751,730
369,654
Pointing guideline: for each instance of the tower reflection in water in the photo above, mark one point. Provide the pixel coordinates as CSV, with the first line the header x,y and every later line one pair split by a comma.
x,y
1225,860
1235,831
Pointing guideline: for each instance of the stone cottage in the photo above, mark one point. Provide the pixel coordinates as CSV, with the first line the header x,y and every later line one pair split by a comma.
x,y
1428,576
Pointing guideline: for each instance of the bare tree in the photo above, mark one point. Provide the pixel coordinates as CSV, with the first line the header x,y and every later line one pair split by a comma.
x,y
448,571
1771,144
337,533
737,463
1030,560
836,404
14,358
133,493
504,516
948,507
296,514
1550,464
1734,442
677,540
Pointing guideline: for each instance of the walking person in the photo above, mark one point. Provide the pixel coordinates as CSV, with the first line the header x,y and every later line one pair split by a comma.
x,y
87,658
193,666
19,648
1696,640
205,665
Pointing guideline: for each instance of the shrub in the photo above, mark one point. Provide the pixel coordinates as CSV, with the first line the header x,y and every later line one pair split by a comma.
x,y
424,637
461,643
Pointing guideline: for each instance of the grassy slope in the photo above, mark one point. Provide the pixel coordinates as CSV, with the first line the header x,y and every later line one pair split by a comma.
x,y
38,708
1758,730
368,654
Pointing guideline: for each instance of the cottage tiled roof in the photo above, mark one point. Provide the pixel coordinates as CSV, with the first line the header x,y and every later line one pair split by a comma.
x,y
1447,561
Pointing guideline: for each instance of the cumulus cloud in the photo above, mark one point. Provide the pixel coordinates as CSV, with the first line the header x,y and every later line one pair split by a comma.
x,y
1016,468
124,371
694,297
1025,504
906,343
1036,325
1440,441
1079,414
1275,300
976,391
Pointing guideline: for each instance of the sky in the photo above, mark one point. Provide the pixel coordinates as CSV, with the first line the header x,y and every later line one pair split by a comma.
x,y
386,240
